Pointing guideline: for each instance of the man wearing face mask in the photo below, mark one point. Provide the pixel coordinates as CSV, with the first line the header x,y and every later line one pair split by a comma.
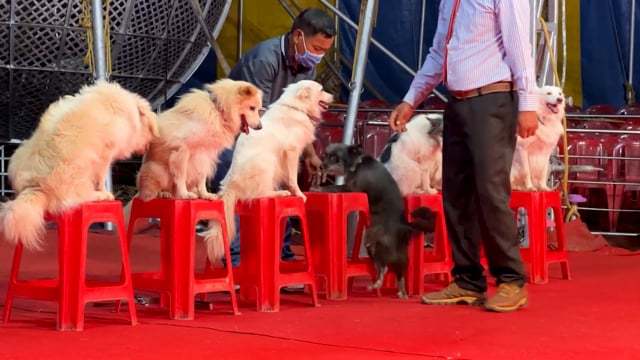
x,y
272,65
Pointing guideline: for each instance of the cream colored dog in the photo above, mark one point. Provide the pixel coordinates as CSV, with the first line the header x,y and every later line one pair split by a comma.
x,y
414,157
530,167
192,134
266,159
66,160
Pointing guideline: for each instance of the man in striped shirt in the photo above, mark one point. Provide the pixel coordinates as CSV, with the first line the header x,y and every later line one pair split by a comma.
x,y
482,53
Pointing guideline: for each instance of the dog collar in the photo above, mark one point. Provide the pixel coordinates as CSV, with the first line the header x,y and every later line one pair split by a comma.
x,y
313,119
540,120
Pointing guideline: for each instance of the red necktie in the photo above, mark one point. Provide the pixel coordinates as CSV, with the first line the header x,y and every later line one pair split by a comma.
x,y
454,11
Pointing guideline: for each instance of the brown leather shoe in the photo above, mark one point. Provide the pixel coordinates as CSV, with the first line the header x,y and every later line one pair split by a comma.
x,y
509,297
454,295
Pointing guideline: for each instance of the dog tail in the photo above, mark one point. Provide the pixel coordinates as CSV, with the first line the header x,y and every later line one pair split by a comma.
x,y
22,219
423,220
213,236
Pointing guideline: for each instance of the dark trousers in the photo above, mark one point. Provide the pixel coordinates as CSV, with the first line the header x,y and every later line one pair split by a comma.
x,y
224,163
478,144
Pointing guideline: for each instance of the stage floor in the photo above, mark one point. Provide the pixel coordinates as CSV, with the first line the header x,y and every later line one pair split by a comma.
x,y
593,316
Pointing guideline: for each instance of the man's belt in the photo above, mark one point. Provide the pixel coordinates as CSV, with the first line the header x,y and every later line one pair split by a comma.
x,y
502,86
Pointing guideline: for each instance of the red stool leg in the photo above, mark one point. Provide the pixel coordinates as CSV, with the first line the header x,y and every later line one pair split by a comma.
x,y
13,279
229,268
271,239
71,271
125,278
309,257
182,248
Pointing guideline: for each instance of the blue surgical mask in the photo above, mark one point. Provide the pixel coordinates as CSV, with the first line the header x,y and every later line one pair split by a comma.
x,y
307,59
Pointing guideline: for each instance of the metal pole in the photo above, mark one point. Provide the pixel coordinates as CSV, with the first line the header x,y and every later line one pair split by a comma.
x,y
240,15
534,29
378,45
101,67
421,44
195,5
360,64
631,40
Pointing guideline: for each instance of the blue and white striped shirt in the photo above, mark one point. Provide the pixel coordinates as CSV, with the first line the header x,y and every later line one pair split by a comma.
x,y
490,43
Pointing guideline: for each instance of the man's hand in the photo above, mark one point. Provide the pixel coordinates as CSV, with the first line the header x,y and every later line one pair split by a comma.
x,y
313,164
527,123
400,117
311,160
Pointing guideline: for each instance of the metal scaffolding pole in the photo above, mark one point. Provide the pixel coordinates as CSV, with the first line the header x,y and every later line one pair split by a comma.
x,y
100,61
631,98
360,64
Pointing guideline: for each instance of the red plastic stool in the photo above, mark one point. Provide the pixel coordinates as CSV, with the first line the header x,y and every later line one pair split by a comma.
x,y
71,290
178,219
538,255
425,262
327,219
262,222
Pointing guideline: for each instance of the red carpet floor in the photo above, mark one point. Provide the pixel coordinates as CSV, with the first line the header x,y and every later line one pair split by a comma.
x,y
593,316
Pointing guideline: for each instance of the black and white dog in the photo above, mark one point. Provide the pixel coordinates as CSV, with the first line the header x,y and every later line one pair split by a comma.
x,y
414,157
387,239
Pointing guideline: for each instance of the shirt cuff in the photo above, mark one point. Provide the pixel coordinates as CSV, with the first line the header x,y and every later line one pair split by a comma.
x,y
528,101
410,98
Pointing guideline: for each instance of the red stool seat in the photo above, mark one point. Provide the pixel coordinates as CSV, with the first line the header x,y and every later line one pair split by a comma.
x,y
177,277
538,255
327,220
71,290
262,222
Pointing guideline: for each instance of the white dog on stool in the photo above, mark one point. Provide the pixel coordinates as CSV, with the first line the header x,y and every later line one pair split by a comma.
x,y
530,167
414,158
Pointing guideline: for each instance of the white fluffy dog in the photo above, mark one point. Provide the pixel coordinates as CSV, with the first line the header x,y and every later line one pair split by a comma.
x,y
266,159
530,168
414,157
66,160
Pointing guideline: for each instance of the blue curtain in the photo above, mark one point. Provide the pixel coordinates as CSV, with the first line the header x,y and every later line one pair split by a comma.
x,y
605,56
397,28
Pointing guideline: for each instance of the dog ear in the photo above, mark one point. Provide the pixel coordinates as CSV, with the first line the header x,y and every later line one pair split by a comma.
x,y
355,149
304,93
247,90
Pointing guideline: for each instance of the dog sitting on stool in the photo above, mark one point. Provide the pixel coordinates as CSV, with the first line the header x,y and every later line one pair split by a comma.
x,y
387,239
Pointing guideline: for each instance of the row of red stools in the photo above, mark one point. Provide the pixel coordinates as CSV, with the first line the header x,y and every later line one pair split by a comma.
x,y
261,273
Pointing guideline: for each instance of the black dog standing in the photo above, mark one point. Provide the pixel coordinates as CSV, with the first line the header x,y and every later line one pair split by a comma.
x,y
387,239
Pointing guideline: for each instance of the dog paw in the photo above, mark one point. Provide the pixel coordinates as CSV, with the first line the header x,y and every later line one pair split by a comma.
x,y
164,195
209,196
300,194
432,191
187,196
282,193
315,189
103,196
402,295
375,285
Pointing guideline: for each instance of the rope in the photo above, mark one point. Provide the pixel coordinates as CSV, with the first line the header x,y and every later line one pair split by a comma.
x,y
86,22
571,209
